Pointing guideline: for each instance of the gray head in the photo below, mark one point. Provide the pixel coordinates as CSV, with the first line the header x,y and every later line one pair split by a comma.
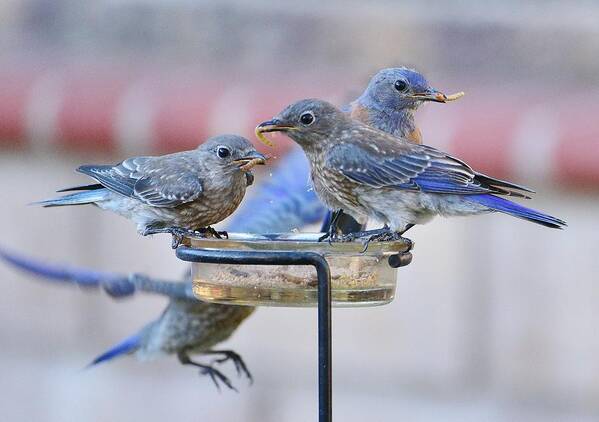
x,y
306,122
400,88
231,152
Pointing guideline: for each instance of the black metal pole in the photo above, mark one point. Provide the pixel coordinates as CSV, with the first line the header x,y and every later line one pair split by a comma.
x,y
325,358
325,390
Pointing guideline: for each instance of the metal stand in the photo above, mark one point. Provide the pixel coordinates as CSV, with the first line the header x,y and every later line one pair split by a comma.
x,y
324,301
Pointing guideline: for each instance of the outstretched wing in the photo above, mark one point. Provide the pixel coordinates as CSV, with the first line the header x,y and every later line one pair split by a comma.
x,y
166,181
389,162
116,285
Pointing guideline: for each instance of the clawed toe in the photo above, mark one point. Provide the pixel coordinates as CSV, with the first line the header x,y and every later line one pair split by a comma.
x,y
216,376
237,360
380,235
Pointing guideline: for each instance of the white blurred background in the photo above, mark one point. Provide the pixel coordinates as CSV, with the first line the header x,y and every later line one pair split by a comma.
x,y
495,319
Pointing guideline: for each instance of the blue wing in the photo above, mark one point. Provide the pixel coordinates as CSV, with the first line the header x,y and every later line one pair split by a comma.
x,y
395,164
115,285
284,202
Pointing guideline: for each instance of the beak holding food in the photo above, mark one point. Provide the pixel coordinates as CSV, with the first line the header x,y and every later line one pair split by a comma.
x,y
251,160
436,96
273,125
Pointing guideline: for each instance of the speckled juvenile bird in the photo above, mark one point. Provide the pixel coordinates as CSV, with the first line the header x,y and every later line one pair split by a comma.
x,y
173,193
286,201
187,326
372,174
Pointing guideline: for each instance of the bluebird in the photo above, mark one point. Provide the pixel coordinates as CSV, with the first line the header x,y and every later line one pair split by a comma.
x,y
175,193
372,174
388,103
198,325
392,97
187,326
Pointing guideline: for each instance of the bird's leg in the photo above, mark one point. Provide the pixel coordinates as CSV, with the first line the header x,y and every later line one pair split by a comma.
x,y
237,360
178,233
215,374
331,234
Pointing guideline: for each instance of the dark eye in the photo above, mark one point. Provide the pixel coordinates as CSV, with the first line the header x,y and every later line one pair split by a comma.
x,y
400,85
223,152
307,118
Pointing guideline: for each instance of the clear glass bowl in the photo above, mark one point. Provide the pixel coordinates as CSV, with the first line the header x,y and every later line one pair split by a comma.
x,y
357,278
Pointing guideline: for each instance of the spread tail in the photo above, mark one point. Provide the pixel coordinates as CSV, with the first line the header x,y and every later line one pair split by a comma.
x,y
129,345
516,210
78,198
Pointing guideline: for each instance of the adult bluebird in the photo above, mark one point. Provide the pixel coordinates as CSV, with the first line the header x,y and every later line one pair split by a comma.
x,y
174,193
371,174
389,101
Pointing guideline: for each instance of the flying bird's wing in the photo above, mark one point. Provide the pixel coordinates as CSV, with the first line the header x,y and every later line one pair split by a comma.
x,y
386,161
166,181
116,285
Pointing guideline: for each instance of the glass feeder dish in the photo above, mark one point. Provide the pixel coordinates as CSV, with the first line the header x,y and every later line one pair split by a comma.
x,y
357,278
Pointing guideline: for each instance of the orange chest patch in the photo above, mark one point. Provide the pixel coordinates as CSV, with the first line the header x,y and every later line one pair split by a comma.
x,y
360,114
415,136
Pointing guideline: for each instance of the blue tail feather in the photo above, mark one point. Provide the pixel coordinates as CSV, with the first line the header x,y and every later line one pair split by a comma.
x,y
78,198
129,345
516,210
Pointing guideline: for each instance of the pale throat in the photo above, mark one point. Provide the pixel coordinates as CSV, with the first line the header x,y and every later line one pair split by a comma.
x,y
398,122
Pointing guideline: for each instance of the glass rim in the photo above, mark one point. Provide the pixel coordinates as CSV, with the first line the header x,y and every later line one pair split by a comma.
x,y
295,241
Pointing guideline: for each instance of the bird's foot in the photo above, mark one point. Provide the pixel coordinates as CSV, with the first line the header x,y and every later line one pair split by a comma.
x,y
350,237
332,233
380,235
178,233
237,360
330,236
209,231
215,375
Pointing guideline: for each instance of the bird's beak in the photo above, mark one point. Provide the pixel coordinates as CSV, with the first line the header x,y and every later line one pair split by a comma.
x,y
436,96
252,159
274,125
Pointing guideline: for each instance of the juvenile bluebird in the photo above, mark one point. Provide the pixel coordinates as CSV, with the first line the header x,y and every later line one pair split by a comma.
x,y
187,326
371,174
175,193
198,326
388,103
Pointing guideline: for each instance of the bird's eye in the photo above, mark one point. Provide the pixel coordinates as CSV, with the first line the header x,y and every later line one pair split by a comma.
x,y
307,118
223,152
401,85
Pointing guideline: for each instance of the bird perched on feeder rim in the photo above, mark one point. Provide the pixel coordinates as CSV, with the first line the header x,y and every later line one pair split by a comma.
x,y
388,103
176,193
372,174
